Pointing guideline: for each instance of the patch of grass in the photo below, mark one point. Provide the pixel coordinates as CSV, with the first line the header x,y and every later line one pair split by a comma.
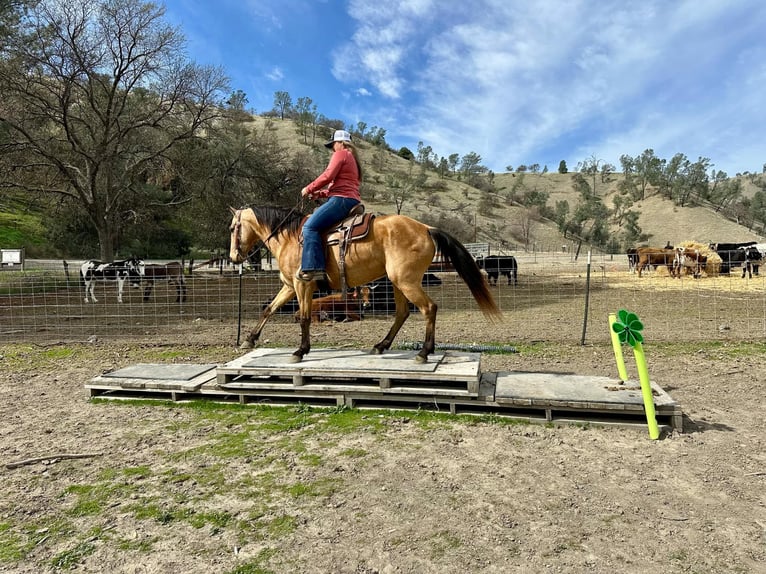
x,y
256,566
311,460
140,545
12,547
443,542
354,453
322,487
30,357
90,499
281,526
69,559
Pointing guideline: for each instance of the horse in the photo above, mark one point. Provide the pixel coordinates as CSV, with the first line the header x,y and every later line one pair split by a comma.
x,y
129,269
337,306
395,245
172,272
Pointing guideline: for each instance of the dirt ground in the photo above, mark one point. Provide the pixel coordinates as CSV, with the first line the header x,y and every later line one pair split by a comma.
x,y
399,496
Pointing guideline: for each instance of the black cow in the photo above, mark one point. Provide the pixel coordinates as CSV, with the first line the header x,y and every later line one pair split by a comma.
x,y
732,254
496,265
131,270
382,294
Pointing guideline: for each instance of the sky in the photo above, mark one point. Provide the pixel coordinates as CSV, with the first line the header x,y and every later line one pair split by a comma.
x,y
517,82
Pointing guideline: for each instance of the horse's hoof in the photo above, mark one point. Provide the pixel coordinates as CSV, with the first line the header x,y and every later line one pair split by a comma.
x,y
295,358
376,351
421,359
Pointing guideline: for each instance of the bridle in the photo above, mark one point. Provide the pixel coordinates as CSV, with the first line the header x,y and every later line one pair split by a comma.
x,y
237,230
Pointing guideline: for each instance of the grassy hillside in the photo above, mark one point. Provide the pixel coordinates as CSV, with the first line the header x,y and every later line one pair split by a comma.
x,y
660,218
507,227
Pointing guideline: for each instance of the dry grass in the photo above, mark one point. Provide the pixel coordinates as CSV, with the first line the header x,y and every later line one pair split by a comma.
x,y
660,219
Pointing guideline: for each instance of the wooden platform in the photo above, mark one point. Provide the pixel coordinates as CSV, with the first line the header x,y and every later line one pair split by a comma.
x,y
450,382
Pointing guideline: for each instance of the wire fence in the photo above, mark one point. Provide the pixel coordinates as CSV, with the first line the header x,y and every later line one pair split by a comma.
x,y
557,298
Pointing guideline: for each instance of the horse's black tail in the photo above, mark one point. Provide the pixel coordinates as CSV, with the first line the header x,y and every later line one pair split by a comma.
x,y
468,270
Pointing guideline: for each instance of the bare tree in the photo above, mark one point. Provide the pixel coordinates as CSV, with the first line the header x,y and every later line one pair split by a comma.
x,y
94,97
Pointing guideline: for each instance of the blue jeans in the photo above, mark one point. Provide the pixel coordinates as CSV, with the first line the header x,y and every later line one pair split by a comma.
x,y
325,216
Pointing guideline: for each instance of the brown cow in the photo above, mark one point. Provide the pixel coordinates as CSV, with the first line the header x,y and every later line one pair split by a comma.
x,y
655,256
336,305
687,258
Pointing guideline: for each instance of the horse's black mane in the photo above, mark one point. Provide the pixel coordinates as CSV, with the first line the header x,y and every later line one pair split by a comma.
x,y
278,218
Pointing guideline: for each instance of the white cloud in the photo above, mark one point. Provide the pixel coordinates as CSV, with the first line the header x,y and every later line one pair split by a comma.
x,y
275,74
512,80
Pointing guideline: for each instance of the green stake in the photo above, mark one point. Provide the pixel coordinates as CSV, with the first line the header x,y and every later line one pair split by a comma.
x,y
617,349
628,329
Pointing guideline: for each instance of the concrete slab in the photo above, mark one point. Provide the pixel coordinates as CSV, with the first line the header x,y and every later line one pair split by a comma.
x,y
176,372
521,387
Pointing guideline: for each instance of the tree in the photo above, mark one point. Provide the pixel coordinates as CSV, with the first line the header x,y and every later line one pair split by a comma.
x,y
283,103
306,111
403,185
237,101
406,153
95,95
563,167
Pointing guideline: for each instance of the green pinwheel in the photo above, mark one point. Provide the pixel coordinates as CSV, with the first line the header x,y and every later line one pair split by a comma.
x,y
628,327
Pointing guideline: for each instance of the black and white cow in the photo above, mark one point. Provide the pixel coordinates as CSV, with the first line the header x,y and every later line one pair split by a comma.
x,y
732,255
496,265
752,261
131,270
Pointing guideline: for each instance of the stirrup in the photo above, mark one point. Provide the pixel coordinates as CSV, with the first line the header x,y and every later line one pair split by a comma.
x,y
308,276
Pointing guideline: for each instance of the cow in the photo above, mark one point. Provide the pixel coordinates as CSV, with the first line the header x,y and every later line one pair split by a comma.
x,y
172,272
655,256
687,258
336,307
752,261
131,270
496,265
382,293
732,254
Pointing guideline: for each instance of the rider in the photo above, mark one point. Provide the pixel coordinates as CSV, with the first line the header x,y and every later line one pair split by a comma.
x,y
340,184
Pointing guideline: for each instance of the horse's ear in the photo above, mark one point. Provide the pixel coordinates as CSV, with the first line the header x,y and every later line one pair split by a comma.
x,y
233,211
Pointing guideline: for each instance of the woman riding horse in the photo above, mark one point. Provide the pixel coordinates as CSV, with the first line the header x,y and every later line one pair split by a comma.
x,y
341,179
395,245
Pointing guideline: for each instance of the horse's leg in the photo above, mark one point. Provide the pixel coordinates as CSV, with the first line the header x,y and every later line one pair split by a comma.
x,y
415,293
402,312
87,287
304,292
182,282
148,290
285,294
120,283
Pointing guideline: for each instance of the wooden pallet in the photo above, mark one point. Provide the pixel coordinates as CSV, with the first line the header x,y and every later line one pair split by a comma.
x,y
333,370
451,382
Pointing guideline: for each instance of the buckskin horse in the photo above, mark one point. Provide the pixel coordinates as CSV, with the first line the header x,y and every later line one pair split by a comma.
x,y
394,245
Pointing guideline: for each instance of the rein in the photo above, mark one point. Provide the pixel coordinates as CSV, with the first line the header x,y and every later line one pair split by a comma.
x,y
238,229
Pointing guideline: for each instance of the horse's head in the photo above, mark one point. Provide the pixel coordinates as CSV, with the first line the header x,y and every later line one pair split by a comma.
x,y
242,237
136,269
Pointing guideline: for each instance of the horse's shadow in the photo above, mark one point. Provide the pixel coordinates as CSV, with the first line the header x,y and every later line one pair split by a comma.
x,y
691,426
